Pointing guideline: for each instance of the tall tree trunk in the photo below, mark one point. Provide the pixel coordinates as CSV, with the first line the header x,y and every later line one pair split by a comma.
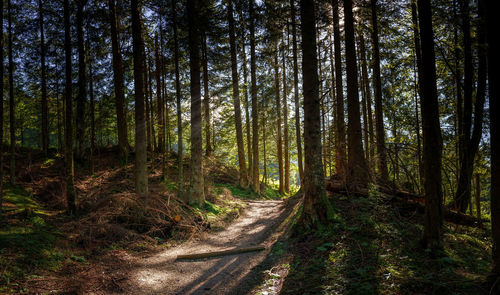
x,y
432,237
1,108
45,109
493,83
68,129
141,169
285,122
196,195
148,93
206,95
236,97
92,109
82,80
418,56
316,205
296,92
180,180
255,110
159,101
364,110
471,141
279,142
356,164
379,115
340,144
118,79
368,99
11,103
60,120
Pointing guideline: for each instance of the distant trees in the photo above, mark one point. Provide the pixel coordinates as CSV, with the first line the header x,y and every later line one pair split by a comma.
x,y
1,108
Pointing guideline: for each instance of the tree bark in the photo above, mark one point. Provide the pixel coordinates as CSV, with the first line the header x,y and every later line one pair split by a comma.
x,y
471,141
255,110
11,102
118,79
432,237
68,129
279,142
494,103
285,122
82,80
296,93
206,96
379,115
340,143
418,56
45,109
1,108
316,205
356,164
180,180
141,170
236,97
196,195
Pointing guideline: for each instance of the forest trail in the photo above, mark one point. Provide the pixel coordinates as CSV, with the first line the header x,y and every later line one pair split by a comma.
x,y
161,273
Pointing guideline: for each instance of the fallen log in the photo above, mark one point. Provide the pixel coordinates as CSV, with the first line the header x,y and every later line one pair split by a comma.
x,y
220,253
415,202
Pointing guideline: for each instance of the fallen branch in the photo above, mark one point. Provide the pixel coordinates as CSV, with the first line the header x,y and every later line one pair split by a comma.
x,y
220,253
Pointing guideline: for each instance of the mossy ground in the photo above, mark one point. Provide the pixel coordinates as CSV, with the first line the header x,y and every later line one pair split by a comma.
x,y
374,248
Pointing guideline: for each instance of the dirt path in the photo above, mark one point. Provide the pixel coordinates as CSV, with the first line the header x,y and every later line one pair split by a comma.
x,y
234,274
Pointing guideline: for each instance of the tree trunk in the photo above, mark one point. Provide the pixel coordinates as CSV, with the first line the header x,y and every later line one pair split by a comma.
x,y
370,152
255,110
206,96
68,129
1,109
316,205
432,237
285,122
340,144
118,79
471,142
357,169
11,103
141,169
296,93
148,93
159,101
493,83
82,80
92,109
418,56
45,109
279,142
236,97
180,180
197,190
379,115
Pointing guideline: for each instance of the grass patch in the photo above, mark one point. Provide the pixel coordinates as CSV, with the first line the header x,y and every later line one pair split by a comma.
x,y
27,241
247,193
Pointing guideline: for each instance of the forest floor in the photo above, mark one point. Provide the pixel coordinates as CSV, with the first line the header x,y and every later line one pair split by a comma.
x,y
372,247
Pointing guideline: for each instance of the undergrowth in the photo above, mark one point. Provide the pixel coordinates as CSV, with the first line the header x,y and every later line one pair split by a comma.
x,y
374,248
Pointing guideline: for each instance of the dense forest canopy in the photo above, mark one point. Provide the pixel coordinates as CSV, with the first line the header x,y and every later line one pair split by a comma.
x,y
308,98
